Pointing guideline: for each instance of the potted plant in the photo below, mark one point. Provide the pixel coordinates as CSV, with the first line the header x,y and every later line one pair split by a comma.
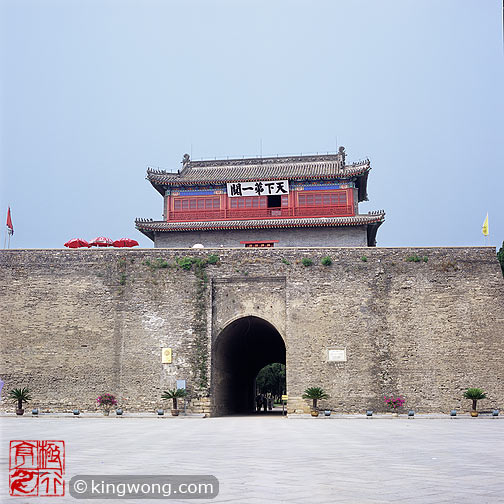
x,y
315,393
174,394
394,403
106,401
20,396
475,394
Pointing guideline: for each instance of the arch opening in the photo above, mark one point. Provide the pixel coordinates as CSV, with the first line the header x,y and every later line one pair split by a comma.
x,y
239,352
270,386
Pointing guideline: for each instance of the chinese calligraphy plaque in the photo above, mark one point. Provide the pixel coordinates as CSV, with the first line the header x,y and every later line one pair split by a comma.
x,y
261,188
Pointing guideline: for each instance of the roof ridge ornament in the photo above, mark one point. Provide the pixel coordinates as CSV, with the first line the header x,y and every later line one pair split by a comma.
x,y
341,152
185,160
157,171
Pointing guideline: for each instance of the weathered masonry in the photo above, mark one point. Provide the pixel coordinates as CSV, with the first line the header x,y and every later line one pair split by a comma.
x,y
78,323
264,202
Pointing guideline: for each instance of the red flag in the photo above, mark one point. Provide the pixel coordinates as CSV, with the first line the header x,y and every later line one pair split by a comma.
x,y
9,222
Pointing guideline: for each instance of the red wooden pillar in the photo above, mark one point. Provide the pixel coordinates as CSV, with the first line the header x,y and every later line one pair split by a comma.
x,y
223,205
168,209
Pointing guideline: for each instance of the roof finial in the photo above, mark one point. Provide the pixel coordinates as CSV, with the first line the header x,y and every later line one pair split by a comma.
x,y
185,159
341,152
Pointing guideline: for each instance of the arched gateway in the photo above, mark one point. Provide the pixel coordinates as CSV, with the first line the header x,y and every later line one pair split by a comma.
x,y
239,352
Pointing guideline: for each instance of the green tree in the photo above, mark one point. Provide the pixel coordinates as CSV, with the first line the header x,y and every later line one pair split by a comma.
x,y
271,380
500,257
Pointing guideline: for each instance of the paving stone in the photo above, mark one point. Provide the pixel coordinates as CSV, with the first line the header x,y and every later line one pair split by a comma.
x,y
281,460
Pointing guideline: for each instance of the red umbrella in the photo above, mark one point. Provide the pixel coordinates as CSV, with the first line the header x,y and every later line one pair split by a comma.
x,y
101,241
76,243
125,242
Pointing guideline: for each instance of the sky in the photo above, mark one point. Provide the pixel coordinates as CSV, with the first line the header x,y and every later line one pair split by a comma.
x,y
93,92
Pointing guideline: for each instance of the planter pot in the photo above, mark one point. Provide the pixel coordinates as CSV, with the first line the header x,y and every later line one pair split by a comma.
x,y
314,413
474,413
395,415
174,412
19,411
106,412
327,412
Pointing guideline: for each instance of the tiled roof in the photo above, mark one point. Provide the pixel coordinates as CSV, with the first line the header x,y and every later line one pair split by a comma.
x,y
235,170
148,227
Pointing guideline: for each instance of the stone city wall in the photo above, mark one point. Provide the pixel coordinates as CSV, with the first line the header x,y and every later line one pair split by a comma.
x,y
78,323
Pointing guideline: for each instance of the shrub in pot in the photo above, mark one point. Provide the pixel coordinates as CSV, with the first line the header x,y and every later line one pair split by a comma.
x,y
315,393
174,394
475,394
20,396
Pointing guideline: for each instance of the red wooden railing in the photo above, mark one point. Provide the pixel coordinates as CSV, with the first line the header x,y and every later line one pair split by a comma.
x,y
261,213
343,210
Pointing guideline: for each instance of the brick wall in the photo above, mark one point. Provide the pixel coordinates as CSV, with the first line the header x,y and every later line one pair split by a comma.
x,y
355,236
77,323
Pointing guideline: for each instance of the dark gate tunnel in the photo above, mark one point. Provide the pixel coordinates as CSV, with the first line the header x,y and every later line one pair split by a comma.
x,y
240,351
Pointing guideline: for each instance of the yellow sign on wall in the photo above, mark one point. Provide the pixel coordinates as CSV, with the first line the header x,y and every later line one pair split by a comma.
x,y
285,397
166,356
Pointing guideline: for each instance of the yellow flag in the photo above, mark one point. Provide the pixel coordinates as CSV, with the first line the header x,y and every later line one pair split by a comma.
x,y
484,229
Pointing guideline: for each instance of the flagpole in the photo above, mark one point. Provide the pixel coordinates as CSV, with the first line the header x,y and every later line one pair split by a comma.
x,y
9,228
488,232
5,238
485,229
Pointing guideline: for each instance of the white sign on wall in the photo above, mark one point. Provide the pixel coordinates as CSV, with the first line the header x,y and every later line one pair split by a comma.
x,y
336,355
261,188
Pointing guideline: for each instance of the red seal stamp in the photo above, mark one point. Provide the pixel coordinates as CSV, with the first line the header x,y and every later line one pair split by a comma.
x,y
36,468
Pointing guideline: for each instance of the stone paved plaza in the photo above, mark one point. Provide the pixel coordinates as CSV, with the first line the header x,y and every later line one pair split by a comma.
x,y
273,459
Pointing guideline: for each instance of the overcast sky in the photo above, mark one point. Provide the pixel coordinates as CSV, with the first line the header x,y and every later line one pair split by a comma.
x,y
93,92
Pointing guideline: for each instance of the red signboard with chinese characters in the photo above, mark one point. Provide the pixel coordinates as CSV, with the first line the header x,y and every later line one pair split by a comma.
x,y
36,468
